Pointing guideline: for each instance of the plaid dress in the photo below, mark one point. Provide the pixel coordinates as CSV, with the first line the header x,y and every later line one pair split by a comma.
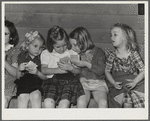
x,y
60,86
131,66
11,58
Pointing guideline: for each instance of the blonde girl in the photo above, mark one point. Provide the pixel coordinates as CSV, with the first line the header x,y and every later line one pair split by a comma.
x,y
29,74
124,68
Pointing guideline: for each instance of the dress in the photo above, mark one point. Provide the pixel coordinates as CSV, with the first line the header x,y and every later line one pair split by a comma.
x,y
10,87
94,78
122,69
60,86
28,82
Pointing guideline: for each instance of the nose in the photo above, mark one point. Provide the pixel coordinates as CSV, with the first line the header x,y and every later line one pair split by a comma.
x,y
112,37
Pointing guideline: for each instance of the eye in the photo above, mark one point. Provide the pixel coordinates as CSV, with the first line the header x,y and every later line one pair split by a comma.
x,y
115,34
6,33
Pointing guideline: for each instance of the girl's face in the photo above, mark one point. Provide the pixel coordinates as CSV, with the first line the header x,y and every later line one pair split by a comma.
x,y
117,37
7,35
60,46
35,48
74,45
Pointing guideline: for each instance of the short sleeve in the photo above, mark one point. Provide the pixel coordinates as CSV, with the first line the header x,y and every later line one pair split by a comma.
x,y
45,56
13,55
138,61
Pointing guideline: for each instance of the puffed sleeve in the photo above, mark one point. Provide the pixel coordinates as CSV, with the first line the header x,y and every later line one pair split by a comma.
x,y
138,61
45,57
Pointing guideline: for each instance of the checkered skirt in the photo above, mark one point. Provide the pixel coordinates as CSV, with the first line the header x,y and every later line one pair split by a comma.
x,y
63,86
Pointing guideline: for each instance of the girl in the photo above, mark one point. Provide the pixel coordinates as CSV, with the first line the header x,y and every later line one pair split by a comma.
x,y
62,87
11,53
28,73
93,66
124,67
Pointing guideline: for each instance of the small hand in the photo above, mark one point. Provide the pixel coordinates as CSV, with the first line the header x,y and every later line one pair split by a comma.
x,y
22,66
118,85
131,84
78,63
32,71
65,66
60,71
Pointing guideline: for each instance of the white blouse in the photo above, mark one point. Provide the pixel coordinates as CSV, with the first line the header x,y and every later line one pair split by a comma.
x,y
51,59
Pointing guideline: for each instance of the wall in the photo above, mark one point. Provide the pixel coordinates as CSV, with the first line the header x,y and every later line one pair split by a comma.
x,y
97,18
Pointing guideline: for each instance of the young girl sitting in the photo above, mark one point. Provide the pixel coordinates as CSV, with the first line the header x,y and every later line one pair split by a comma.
x,y
93,66
29,76
11,53
124,69
62,87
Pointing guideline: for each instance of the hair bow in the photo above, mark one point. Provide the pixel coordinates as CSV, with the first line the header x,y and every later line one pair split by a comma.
x,y
31,36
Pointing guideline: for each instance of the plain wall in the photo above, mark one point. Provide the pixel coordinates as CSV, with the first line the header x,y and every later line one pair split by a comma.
x,y
97,18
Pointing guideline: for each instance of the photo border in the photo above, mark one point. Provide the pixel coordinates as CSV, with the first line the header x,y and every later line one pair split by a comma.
x,y
77,114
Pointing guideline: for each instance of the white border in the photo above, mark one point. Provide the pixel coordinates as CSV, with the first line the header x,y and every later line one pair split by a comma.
x,y
77,114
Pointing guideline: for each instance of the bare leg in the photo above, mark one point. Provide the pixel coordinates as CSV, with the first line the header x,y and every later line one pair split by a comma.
x,y
7,100
100,98
83,100
64,104
23,100
49,103
35,98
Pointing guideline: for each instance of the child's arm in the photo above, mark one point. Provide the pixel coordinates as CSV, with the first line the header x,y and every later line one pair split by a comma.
x,y
69,67
51,71
38,73
11,70
20,68
136,80
140,66
98,63
117,85
41,75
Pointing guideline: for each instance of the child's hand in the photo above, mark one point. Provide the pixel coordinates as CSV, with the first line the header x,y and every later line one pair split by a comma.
x,y
131,84
118,85
22,66
65,66
79,63
60,71
32,71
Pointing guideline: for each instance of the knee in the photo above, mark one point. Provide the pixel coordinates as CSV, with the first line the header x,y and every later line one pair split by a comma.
x,y
64,104
35,95
102,103
81,103
49,103
23,98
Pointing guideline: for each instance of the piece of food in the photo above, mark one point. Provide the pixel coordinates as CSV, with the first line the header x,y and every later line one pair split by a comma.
x,y
65,59
31,65
74,57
